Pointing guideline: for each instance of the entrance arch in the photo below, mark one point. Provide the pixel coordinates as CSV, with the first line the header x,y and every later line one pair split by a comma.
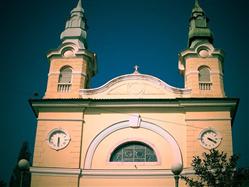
x,y
175,149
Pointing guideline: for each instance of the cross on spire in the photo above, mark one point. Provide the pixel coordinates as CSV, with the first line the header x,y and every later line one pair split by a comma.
x,y
136,67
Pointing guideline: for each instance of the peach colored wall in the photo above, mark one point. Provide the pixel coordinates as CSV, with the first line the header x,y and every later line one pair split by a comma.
x,y
197,121
78,65
185,127
161,147
68,157
128,181
191,77
54,181
96,122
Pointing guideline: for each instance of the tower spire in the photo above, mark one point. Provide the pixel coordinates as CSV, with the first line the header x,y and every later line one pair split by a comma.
x,y
198,25
75,29
78,8
79,4
197,3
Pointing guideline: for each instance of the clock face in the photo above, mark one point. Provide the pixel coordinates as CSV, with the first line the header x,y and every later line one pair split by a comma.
x,y
209,138
58,139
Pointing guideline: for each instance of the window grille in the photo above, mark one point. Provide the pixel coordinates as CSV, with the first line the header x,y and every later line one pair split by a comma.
x,y
133,152
64,82
204,78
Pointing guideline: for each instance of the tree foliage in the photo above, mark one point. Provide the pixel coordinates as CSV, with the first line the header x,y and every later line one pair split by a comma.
x,y
15,179
216,170
2,183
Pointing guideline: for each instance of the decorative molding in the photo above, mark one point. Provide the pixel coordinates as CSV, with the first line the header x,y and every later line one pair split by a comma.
x,y
178,92
211,72
191,72
106,172
55,171
47,119
135,121
206,119
73,73
216,73
175,149
134,172
180,104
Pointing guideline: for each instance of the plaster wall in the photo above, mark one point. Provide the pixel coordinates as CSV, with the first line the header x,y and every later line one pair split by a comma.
x,y
128,181
191,77
54,181
79,72
95,123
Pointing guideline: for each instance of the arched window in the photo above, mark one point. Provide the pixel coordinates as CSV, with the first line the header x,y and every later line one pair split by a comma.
x,y
65,79
65,75
133,152
204,74
204,78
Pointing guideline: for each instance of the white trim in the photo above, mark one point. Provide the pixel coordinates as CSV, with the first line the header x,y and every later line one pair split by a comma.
x,y
205,119
56,171
57,119
211,72
73,73
191,72
216,73
180,92
143,103
134,172
105,172
175,149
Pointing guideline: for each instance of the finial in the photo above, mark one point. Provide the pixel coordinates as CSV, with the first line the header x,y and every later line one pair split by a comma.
x,y
197,3
197,7
198,27
75,29
78,8
136,69
79,5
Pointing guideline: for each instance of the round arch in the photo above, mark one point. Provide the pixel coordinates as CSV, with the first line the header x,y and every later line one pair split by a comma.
x,y
175,149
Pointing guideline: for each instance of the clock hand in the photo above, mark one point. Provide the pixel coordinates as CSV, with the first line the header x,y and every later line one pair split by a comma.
x,y
58,142
211,140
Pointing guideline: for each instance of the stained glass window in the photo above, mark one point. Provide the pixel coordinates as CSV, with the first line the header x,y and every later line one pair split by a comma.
x,y
133,152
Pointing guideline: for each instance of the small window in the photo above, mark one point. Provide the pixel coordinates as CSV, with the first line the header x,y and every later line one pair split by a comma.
x,y
65,79
204,74
204,78
65,75
133,152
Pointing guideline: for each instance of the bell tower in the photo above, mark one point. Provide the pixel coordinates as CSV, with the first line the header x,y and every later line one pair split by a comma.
x,y
201,64
71,65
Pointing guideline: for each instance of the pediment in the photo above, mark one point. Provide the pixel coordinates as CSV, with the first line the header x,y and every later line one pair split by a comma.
x,y
135,85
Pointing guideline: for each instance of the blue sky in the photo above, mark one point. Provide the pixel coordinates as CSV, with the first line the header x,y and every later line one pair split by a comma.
x,y
123,33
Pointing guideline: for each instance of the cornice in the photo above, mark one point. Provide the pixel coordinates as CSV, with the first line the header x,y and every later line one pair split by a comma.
x,y
56,171
181,104
134,172
107,172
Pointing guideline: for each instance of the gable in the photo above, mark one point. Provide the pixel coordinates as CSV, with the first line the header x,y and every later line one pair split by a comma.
x,y
135,85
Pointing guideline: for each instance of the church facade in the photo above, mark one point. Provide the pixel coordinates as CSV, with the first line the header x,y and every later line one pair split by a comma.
x,y
135,130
